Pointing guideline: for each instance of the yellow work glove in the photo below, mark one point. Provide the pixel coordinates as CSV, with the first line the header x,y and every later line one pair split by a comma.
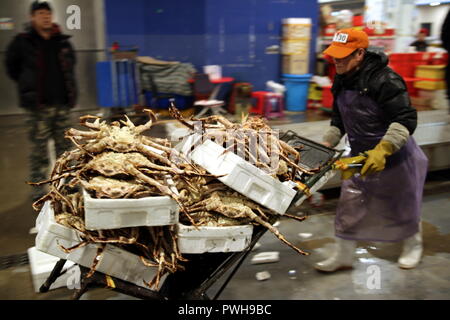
x,y
343,165
376,158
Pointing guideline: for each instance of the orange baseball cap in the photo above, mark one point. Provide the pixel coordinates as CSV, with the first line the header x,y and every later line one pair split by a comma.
x,y
346,41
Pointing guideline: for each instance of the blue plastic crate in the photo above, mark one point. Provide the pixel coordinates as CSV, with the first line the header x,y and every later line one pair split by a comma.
x,y
116,83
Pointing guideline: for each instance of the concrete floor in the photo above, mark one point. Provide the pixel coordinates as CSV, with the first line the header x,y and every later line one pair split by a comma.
x,y
430,280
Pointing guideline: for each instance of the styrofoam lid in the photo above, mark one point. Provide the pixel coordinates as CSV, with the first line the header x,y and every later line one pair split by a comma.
x,y
297,21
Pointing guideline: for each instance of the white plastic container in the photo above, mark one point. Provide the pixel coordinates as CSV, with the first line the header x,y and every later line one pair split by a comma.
x,y
121,213
42,264
114,261
239,174
213,239
213,71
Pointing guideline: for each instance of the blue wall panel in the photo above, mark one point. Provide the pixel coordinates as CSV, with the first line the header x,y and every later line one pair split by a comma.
x,y
240,31
231,33
167,30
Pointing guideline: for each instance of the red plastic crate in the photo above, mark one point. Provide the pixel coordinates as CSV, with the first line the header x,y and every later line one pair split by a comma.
x,y
438,58
412,91
327,97
258,107
405,64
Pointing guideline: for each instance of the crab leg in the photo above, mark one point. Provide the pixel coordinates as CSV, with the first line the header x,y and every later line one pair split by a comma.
x,y
69,250
295,217
92,125
161,158
96,260
148,125
82,134
174,112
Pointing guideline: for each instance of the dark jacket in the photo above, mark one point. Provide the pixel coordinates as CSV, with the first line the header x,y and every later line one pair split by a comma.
x,y
25,64
379,82
445,32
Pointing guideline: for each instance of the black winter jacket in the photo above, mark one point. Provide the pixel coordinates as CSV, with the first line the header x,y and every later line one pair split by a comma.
x,y
382,84
25,65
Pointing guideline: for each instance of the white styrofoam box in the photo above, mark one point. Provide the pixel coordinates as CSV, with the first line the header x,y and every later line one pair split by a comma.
x,y
214,71
213,239
319,184
42,264
238,174
114,261
121,213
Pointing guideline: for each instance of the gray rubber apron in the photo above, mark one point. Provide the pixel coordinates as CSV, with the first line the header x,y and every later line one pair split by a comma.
x,y
384,206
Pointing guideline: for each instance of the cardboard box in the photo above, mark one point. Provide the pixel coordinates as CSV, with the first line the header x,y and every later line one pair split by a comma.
x,y
296,47
296,28
295,64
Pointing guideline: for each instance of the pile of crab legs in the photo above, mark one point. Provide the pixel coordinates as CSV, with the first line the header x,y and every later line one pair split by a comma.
x,y
117,161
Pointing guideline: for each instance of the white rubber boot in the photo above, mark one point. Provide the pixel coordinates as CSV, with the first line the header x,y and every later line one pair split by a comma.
x,y
412,251
342,257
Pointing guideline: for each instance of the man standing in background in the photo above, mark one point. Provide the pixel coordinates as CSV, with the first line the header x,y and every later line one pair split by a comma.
x,y
41,60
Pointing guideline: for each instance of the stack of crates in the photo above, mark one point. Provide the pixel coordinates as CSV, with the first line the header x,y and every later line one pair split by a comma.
x,y
295,45
432,77
431,86
295,61
423,73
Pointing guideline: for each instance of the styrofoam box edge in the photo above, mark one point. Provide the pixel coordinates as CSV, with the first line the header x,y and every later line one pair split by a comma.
x,y
213,239
41,265
114,261
239,174
121,213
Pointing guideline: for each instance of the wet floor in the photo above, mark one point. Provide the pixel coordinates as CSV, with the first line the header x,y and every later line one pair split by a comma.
x,y
293,277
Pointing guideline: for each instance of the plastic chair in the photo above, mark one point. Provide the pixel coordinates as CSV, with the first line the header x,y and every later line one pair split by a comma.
x,y
203,87
205,93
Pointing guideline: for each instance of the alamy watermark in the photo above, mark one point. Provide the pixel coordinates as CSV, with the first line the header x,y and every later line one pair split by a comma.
x,y
260,148
73,21
74,278
373,281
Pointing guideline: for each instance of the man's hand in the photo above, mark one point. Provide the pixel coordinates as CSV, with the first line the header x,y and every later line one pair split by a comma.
x,y
347,166
376,158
